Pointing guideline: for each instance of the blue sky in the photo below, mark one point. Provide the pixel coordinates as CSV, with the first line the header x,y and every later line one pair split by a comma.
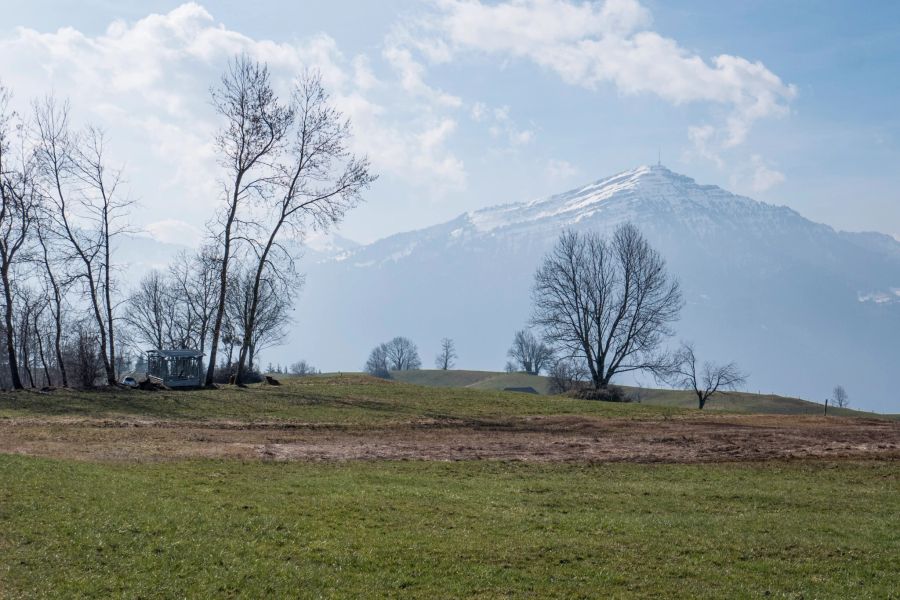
x,y
462,104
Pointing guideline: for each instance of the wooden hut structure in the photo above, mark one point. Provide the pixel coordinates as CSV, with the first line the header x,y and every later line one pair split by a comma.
x,y
175,368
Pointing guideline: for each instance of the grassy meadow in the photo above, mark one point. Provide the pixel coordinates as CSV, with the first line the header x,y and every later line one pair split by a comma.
x,y
227,527
203,529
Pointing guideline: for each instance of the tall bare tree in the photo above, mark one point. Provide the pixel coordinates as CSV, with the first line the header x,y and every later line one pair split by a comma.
x,y
86,212
841,399
314,184
19,200
107,210
255,124
704,380
446,357
609,302
528,353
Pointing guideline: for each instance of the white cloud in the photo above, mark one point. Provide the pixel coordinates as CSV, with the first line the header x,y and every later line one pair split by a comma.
x,y
147,81
174,231
764,177
756,175
590,44
561,170
500,124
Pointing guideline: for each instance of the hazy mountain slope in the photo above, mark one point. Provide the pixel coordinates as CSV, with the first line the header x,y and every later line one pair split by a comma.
x,y
799,305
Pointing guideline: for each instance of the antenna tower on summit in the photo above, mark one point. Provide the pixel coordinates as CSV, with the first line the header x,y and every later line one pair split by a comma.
x,y
659,157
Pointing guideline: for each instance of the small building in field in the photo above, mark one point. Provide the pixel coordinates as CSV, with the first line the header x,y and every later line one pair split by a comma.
x,y
175,368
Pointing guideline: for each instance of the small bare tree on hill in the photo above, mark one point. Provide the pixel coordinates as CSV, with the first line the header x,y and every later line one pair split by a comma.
x,y
840,397
447,356
403,355
529,353
704,380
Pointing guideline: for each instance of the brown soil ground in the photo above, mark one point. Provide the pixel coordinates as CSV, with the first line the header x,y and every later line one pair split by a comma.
x,y
713,438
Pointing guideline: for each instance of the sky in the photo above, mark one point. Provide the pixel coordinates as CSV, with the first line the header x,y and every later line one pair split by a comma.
x,y
462,104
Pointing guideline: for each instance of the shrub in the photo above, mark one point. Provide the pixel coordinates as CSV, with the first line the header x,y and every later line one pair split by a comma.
x,y
566,375
612,393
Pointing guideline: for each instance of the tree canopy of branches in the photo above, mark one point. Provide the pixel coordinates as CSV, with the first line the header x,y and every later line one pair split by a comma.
x,y
260,311
377,363
447,356
566,375
840,397
704,380
302,368
399,354
528,353
607,301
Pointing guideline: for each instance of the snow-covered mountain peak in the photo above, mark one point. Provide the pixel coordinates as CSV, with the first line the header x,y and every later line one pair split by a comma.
x,y
619,197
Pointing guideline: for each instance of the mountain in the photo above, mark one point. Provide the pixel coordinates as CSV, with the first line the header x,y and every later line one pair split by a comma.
x,y
800,306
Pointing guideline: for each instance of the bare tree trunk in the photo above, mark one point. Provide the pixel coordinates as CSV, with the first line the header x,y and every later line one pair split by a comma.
x,y
112,379
55,307
40,344
254,305
10,331
223,284
25,332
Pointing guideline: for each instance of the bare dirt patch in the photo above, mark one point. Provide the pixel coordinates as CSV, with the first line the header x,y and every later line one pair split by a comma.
x,y
713,438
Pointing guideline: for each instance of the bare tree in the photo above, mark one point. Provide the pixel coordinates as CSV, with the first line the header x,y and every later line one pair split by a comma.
x,y
528,353
105,207
81,352
147,311
302,368
399,354
19,200
377,363
705,380
840,397
447,356
254,130
86,212
565,375
264,323
403,355
608,302
195,281
314,184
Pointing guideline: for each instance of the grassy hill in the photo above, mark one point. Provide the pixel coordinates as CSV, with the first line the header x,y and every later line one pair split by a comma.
x,y
347,399
741,402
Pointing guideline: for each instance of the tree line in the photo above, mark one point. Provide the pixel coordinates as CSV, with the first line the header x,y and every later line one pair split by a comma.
x,y
285,169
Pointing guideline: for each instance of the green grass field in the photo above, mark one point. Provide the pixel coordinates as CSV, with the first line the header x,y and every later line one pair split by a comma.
x,y
202,529
157,527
